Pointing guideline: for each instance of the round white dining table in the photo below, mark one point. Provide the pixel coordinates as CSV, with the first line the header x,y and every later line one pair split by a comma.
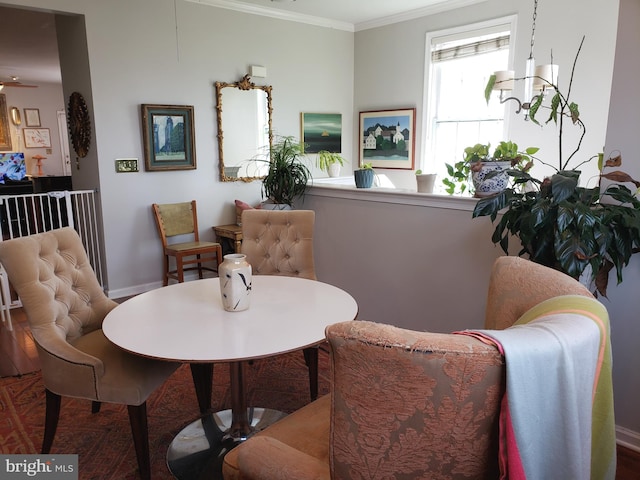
x,y
186,322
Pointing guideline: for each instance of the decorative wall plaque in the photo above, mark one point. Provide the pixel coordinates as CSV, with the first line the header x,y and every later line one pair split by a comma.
x,y
79,124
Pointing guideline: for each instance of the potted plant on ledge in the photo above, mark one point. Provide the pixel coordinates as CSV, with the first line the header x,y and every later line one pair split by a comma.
x,y
488,172
330,162
584,232
425,181
364,176
287,176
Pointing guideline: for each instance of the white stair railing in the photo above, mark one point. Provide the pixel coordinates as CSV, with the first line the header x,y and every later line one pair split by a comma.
x,y
27,214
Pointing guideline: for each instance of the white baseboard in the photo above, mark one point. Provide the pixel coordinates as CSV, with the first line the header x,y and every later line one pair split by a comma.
x,y
628,438
133,290
138,289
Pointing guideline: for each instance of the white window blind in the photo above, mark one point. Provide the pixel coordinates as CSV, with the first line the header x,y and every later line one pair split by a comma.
x,y
443,52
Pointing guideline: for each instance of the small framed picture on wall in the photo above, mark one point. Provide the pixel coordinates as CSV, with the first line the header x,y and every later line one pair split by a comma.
x,y
32,117
36,137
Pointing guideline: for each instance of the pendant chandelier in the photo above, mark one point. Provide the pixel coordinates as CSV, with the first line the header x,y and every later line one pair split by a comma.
x,y
536,78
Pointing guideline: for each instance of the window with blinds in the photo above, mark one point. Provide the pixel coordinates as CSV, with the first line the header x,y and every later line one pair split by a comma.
x,y
456,113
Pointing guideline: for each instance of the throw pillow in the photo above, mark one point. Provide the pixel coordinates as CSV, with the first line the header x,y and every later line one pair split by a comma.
x,y
241,207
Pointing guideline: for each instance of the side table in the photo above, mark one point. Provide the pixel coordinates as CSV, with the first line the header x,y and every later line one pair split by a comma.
x,y
231,232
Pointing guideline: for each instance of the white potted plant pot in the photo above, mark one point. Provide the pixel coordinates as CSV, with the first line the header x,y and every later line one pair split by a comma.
x,y
425,182
330,162
334,170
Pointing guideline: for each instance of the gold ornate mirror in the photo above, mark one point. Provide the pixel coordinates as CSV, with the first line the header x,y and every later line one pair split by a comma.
x,y
244,129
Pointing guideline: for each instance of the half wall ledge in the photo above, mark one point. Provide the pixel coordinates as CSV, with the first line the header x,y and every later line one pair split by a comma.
x,y
340,187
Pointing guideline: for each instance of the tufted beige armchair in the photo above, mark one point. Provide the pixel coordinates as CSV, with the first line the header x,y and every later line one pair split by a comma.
x,y
65,307
280,242
404,404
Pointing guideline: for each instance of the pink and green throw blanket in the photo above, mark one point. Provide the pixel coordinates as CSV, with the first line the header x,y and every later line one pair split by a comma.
x,y
557,415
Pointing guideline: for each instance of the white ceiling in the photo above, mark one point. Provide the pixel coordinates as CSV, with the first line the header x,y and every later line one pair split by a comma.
x,y
28,47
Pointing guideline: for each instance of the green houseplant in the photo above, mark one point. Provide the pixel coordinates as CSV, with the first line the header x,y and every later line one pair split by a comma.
x,y
330,162
483,173
287,176
578,230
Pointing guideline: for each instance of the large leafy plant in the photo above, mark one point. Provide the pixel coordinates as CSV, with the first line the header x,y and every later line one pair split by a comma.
x,y
562,224
287,176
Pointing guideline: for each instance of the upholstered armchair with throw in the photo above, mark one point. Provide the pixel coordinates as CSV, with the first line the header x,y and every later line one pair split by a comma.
x,y
406,404
65,307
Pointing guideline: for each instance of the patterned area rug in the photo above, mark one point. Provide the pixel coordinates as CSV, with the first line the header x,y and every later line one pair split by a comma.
x,y
103,441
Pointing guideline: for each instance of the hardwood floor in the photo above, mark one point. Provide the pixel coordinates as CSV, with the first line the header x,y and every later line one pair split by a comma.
x,y
18,356
628,464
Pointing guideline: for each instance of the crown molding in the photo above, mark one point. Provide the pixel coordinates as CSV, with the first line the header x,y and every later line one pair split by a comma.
x,y
277,13
440,7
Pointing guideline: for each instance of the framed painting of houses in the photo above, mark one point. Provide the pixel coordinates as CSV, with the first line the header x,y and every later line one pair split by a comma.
x,y
387,138
321,131
168,135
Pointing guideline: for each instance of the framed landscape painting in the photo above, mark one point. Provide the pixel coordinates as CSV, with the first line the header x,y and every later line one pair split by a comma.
x,y
387,138
321,131
168,134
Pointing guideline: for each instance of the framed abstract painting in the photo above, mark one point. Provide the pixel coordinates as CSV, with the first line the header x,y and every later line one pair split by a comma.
x,y
321,131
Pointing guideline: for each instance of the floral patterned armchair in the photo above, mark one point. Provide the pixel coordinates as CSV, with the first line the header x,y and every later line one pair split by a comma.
x,y
404,404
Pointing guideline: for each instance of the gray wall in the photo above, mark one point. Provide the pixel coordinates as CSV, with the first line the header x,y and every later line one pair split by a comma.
x,y
416,265
624,302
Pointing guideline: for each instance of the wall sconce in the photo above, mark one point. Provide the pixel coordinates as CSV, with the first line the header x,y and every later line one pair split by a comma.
x,y
258,71
15,116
